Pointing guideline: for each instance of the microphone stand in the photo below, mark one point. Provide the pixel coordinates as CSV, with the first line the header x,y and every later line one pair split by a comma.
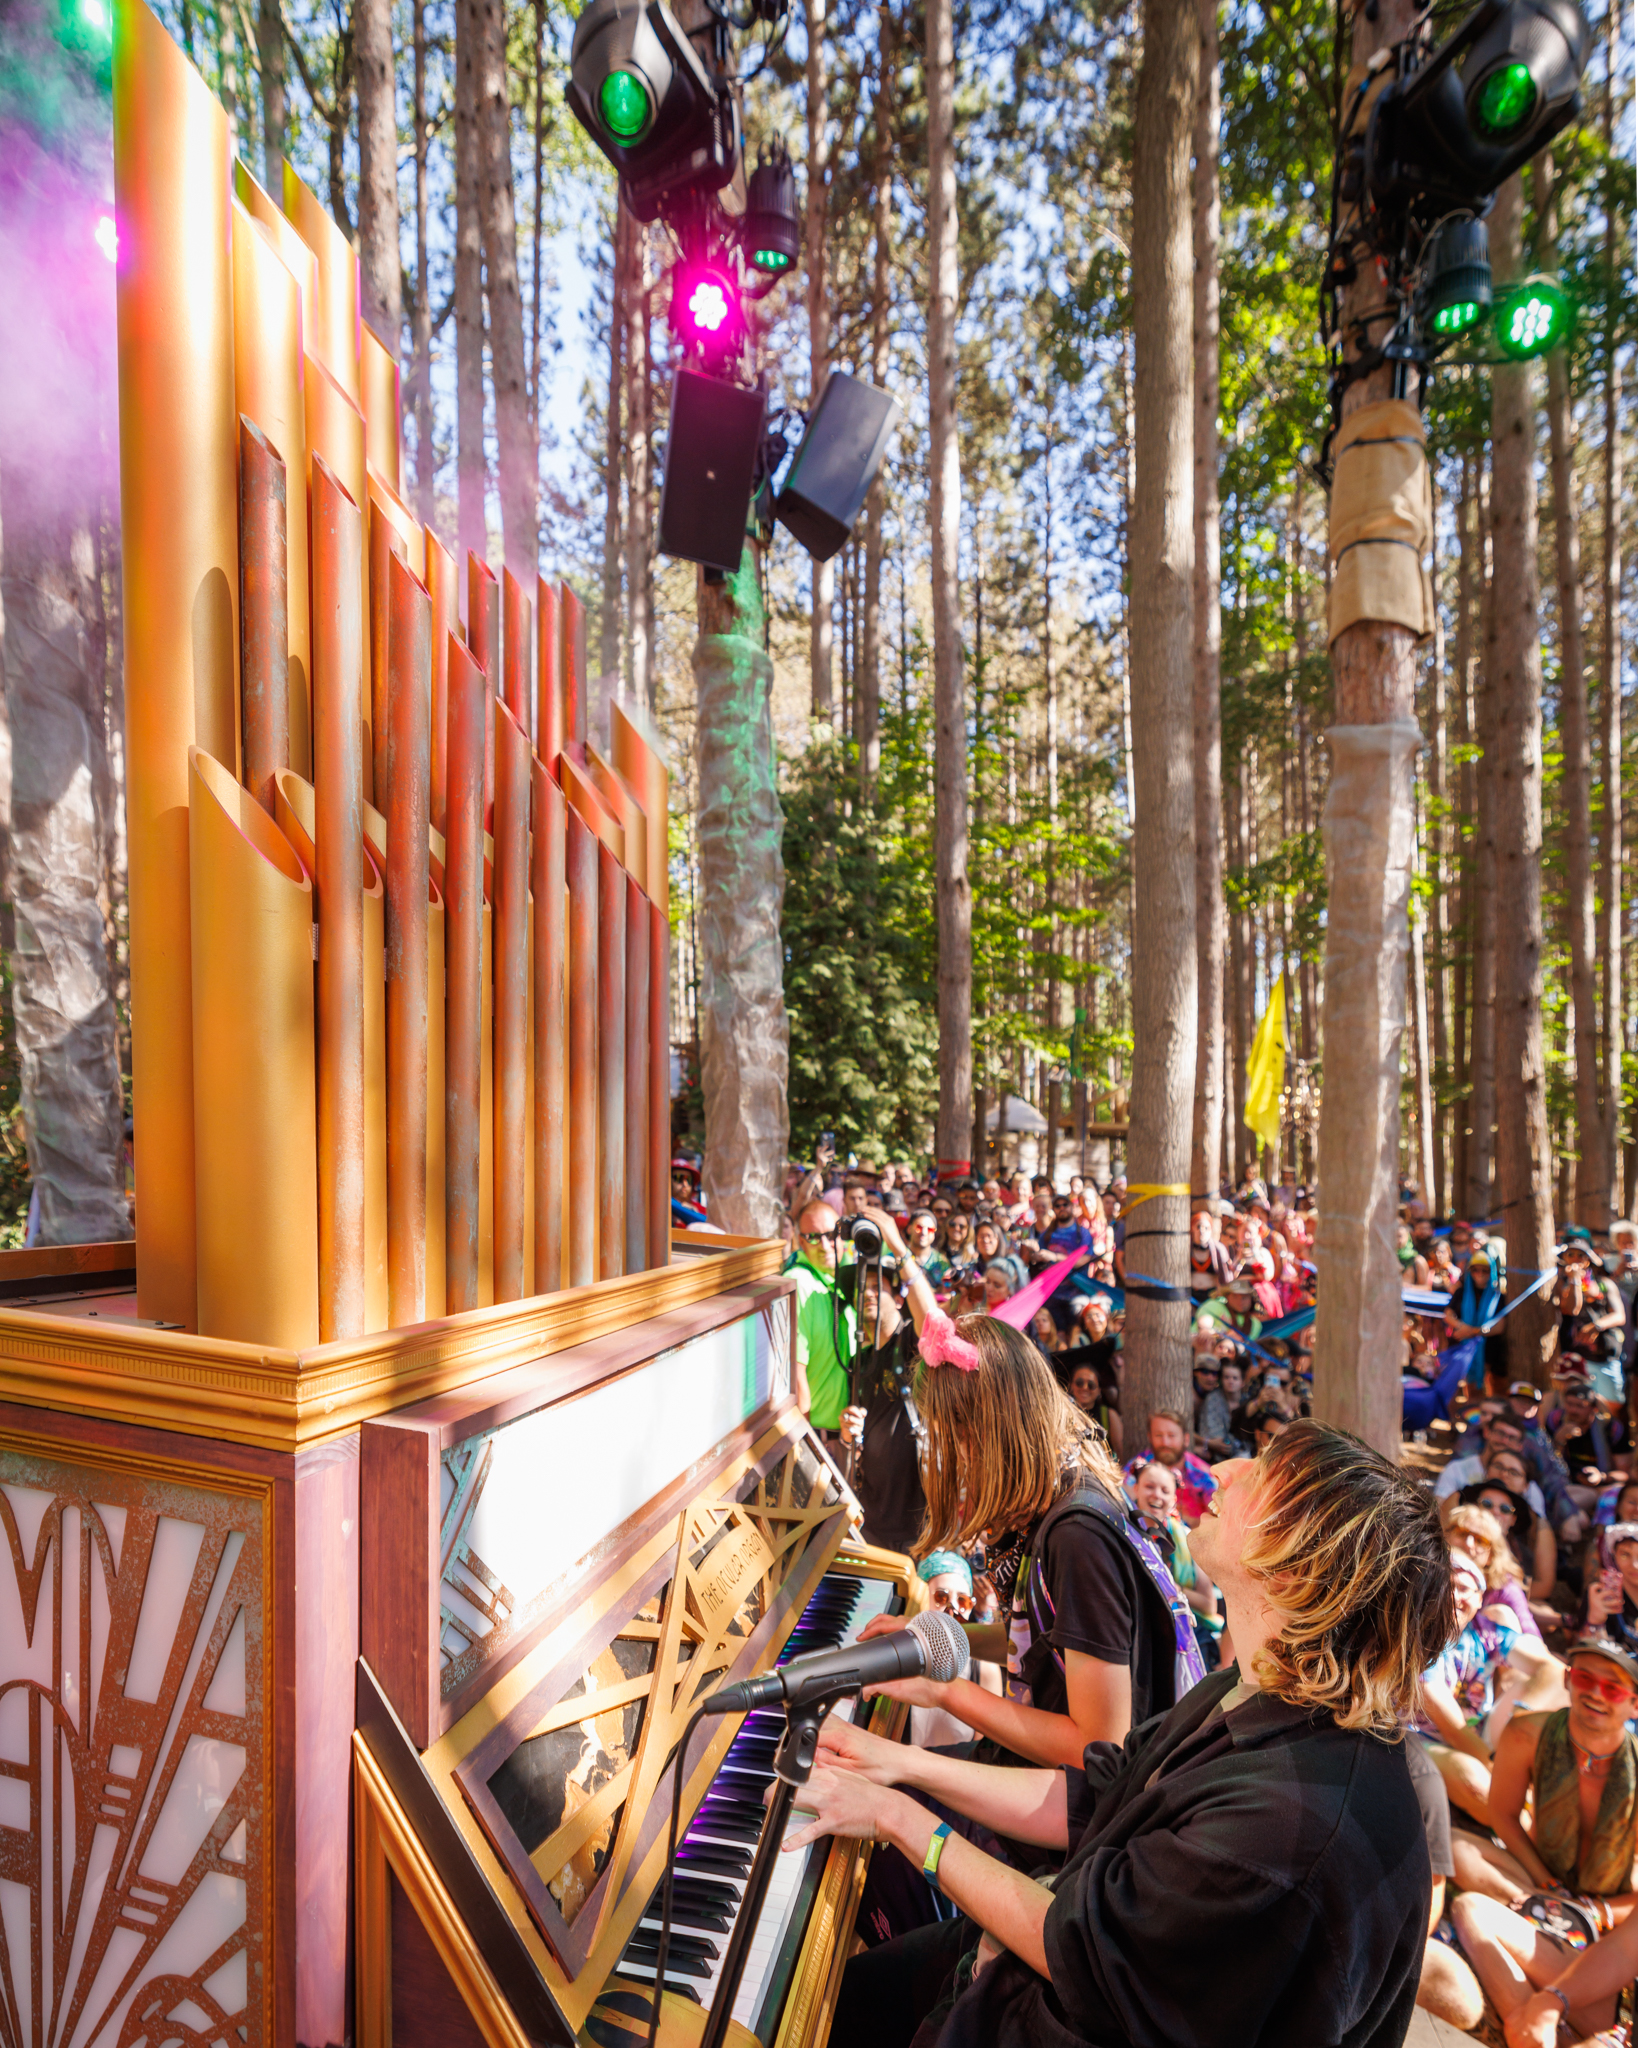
x,y
793,1765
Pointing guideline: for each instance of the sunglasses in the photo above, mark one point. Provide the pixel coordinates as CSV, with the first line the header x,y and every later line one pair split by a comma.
x,y
817,1236
1503,1510
1615,1690
1207,1372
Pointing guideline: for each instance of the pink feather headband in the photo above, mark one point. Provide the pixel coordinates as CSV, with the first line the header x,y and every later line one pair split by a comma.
x,y
942,1344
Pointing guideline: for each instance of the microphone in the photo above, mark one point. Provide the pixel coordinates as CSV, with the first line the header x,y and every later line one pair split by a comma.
x,y
932,1645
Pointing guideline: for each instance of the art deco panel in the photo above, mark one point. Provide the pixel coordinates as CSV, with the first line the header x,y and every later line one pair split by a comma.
x,y
133,1753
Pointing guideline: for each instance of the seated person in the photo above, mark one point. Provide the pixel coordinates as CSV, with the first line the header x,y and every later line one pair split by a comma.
x,y
1579,1766
1529,1539
1265,1422
1477,1530
1592,1317
1443,1272
1264,1816
1235,1309
1211,1410
1587,1438
1462,1688
1609,1607
1448,1988
1169,1442
1579,1994
1502,1439
1153,1490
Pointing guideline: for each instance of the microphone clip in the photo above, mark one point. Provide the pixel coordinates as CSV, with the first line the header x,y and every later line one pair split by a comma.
x,y
804,1717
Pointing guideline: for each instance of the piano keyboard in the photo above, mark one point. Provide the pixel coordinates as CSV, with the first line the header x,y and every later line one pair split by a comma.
x,y
714,1855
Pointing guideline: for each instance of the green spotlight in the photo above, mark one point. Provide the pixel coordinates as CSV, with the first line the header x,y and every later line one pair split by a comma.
x,y
1457,319
1506,101
624,105
1533,318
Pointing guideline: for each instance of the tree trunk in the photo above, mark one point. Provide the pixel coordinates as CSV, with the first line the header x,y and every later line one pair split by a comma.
x,y
1482,1005
471,468
1163,854
955,903
639,563
1463,824
1593,1175
813,256
1612,1017
1433,840
270,50
66,1030
379,261
745,1034
613,540
426,454
1210,911
870,666
1369,838
1524,1178
519,454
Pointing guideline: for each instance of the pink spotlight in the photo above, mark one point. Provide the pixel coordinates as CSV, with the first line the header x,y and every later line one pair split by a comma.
x,y
708,305
106,236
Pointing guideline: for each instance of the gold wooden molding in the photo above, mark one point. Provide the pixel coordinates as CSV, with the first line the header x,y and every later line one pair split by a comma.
x,y
285,1400
386,1846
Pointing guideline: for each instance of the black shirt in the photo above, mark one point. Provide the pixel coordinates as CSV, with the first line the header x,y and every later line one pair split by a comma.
x,y
1089,1595
1256,1880
888,1476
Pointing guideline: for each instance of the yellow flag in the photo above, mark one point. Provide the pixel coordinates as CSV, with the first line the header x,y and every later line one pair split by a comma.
x,y
1265,1069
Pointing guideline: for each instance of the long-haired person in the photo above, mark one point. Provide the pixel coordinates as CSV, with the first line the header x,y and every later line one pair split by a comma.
x,y
1100,1635
1250,1869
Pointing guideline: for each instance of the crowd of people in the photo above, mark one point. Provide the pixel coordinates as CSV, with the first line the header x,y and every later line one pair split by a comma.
x,y
1084,1554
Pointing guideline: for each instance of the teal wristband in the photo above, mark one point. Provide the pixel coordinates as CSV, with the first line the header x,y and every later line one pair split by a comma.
x,y
935,1851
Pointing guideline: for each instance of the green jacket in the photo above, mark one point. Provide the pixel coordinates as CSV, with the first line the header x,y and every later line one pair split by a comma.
x,y
825,1340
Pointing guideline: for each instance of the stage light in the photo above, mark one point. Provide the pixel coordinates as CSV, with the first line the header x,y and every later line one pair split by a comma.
x,y
639,89
94,14
106,236
706,314
1533,318
771,231
1457,293
1448,134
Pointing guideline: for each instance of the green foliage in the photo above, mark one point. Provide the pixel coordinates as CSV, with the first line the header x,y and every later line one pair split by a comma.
x,y
864,1037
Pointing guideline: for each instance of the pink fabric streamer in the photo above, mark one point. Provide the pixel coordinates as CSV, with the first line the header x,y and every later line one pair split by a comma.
x,y
942,1344
1020,1309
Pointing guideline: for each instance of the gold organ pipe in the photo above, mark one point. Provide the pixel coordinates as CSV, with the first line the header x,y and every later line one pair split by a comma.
x,y
516,678
264,610
268,390
463,970
375,1091
379,400
435,1199
636,1078
408,781
385,544
443,583
581,863
643,769
548,683
511,999
255,1162
335,430
551,1024
334,326
179,522
483,630
338,682
571,665
611,1066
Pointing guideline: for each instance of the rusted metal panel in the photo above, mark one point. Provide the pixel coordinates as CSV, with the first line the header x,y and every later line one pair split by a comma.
x,y
582,861
264,622
483,638
408,778
338,780
463,976
611,1066
548,676
511,904
549,884
443,585
638,941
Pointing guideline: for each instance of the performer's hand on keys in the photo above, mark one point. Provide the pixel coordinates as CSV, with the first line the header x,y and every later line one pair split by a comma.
x,y
842,1803
848,1747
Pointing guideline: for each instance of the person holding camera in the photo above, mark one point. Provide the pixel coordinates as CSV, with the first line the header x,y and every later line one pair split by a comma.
x,y
824,1322
882,1419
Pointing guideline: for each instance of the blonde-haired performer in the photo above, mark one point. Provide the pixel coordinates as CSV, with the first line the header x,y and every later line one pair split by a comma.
x,y
1101,1638
1248,1870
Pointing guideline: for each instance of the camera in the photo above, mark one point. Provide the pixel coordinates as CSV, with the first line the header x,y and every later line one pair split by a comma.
x,y
864,1236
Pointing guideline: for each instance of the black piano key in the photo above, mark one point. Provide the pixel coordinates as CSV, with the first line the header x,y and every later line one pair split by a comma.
x,y
723,1862
733,1830
680,1945
695,1917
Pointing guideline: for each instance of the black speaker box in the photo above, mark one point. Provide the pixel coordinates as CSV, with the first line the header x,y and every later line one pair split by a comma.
x,y
836,463
710,464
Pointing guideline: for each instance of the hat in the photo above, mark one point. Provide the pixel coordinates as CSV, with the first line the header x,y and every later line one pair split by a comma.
x,y
1461,1562
1575,1384
939,1562
1522,1390
1622,1532
1612,1653
1577,1233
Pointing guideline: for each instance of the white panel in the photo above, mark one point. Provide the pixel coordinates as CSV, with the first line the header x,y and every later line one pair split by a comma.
x,y
208,1772
14,1744
97,1866
608,1452
113,1520
101,1620
70,1676
16,1916
170,1574
20,1658
215,1912
226,1693
228,1986
124,1946
233,1849
124,1760
14,1811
